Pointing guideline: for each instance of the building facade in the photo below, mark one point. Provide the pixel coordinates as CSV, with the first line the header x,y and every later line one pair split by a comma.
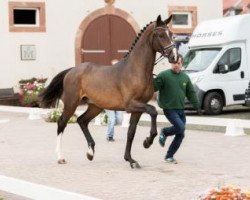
x,y
40,38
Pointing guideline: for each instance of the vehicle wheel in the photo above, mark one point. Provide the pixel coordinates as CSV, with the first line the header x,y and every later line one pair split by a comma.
x,y
213,103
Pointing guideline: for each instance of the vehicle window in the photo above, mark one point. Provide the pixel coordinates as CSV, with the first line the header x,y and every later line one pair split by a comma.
x,y
199,59
231,58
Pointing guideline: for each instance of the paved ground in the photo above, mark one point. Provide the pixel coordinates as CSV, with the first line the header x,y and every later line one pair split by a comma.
x,y
206,159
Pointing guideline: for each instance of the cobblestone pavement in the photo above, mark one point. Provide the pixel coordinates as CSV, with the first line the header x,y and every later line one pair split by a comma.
x,y
206,159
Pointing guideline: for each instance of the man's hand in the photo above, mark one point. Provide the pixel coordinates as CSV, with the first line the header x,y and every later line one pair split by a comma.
x,y
199,111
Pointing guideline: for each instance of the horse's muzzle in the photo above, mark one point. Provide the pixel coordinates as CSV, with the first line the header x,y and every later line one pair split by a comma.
x,y
172,58
171,53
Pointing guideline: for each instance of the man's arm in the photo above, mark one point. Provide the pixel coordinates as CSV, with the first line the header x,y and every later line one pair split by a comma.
x,y
192,96
158,83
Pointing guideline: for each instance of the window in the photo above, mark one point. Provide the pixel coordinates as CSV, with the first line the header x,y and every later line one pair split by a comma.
x,y
184,19
199,59
181,20
231,58
27,17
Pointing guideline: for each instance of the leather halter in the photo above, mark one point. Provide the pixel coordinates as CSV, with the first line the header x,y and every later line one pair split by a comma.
x,y
164,49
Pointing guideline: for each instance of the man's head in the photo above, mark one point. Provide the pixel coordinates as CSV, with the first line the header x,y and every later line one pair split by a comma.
x,y
176,67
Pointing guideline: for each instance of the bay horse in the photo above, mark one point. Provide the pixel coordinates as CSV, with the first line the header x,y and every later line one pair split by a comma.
x,y
126,86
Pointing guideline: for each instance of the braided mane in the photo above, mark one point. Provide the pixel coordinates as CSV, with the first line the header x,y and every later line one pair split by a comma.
x,y
136,39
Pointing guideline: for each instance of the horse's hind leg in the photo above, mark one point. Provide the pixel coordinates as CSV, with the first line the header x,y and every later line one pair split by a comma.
x,y
83,121
68,111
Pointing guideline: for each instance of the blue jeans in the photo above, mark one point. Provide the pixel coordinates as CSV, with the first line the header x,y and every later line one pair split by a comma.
x,y
114,117
177,118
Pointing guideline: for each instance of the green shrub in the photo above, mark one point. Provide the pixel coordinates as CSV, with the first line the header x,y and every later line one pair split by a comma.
x,y
55,114
104,118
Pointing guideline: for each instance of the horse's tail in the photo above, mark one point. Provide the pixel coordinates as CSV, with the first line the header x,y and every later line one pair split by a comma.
x,y
54,90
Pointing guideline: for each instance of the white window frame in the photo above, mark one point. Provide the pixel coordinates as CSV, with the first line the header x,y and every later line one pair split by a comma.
x,y
40,9
189,14
192,20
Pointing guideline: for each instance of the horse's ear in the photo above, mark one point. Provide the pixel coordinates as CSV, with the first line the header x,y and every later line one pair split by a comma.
x,y
158,21
168,19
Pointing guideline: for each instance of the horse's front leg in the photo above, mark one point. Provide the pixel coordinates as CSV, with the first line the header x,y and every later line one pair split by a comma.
x,y
153,131
130,137
136,106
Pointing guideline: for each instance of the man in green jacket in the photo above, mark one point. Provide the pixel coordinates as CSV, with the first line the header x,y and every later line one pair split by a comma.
x,y
174,86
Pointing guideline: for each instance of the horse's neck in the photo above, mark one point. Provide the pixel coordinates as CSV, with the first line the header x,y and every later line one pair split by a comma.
x,y
142,58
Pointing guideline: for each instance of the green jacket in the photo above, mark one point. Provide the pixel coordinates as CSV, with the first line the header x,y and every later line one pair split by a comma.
x,y
173,89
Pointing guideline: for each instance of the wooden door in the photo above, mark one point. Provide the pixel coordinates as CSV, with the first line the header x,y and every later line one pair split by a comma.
x,y
106,38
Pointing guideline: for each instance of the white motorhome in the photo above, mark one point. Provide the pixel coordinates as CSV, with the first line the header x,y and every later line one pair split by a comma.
x,y
218,62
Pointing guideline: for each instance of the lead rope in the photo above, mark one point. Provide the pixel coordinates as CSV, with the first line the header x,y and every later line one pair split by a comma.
x,y
159,59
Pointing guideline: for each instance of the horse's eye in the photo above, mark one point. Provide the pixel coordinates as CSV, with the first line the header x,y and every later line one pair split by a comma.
x,y
161,36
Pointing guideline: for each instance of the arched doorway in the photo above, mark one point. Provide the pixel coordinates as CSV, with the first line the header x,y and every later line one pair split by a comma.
x,y
106,38
107,10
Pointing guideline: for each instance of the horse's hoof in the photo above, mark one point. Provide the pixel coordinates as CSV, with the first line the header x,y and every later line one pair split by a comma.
x,y
146,144
90,154
135,165
61,161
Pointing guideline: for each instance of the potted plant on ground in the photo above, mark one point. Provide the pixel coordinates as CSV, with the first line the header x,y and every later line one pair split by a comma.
x,y
29,91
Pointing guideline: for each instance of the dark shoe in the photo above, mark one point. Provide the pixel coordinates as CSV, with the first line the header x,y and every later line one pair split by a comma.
x,y
110,139
171,160
162,139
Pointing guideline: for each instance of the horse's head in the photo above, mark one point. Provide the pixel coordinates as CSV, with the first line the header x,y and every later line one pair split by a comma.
x,y
162,40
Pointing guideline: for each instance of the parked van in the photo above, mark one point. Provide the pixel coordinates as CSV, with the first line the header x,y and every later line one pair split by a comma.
x,y
218,62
